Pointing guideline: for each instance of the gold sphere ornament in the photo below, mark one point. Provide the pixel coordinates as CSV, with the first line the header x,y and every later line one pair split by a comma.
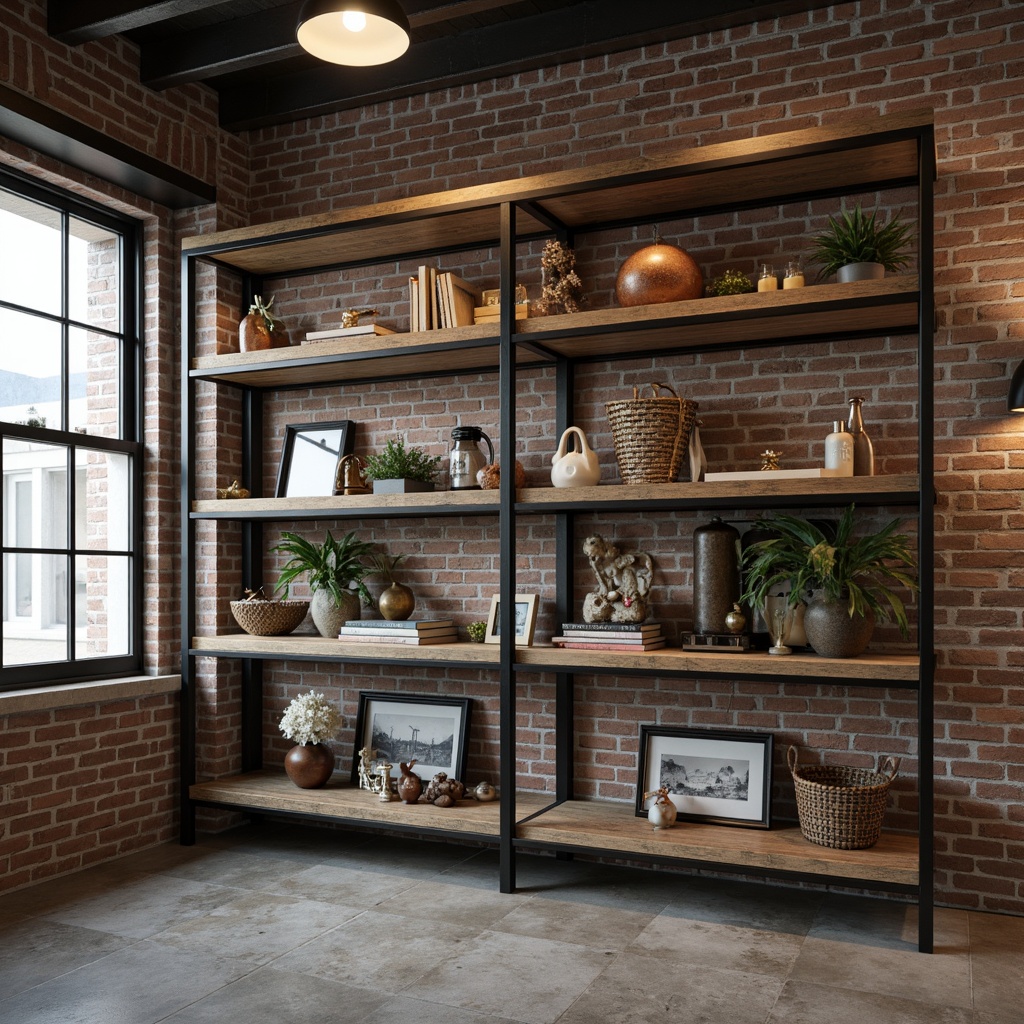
x,y
658,273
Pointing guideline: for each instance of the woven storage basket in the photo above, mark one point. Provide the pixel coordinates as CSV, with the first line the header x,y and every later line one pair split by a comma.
x,y
651,435
841,807
269,618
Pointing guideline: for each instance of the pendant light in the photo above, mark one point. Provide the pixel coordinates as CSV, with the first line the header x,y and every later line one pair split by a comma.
x,y
353,32
1015,399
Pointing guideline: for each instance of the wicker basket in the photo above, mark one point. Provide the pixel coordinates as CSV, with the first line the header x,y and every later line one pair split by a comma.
x,y
841,807
269,618
651,435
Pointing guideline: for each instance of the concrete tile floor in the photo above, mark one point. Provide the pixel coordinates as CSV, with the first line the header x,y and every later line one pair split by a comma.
x,y
287,923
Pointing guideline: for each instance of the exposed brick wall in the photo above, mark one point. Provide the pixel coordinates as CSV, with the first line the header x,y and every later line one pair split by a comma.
x,y
83,785
961,60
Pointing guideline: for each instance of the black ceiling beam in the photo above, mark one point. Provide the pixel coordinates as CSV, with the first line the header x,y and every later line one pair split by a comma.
x,y
65,138
551,37
251,41
236,45
78,21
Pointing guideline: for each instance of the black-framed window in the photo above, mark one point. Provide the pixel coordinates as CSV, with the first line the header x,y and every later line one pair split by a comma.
x,y
71,455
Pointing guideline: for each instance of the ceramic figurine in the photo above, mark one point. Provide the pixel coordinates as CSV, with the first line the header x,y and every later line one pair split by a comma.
x,y
409,784
485,792
623,583
662,813
578,468
367,778
384,794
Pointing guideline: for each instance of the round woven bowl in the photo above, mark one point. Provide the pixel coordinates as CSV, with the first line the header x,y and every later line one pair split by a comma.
x,y
269,618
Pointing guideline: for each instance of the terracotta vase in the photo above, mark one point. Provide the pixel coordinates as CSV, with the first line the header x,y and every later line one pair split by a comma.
x,y
396,602
309,765
329,617
832,632
253,334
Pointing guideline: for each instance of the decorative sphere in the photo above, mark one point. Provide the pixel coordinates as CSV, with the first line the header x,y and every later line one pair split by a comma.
x,y
658,273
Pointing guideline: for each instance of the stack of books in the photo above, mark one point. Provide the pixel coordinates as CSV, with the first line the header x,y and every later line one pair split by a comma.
x,y
611,636
394,631
333,333
439,299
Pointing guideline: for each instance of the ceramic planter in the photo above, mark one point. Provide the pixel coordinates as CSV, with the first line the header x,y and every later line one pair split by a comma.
x,y
860,272
329,617
832,632
401,486
309,765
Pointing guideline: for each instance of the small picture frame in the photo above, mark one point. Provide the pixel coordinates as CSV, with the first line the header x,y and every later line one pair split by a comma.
x,y
310,457
712,776
401,727
526,619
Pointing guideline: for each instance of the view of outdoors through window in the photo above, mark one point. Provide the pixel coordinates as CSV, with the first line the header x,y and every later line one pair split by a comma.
x,y
69,452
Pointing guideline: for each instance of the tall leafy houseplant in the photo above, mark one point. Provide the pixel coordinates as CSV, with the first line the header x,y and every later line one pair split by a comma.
x,y
336,575
858,238
851,576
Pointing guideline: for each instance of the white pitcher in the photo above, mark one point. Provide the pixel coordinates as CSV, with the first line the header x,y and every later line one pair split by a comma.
x,y
578,468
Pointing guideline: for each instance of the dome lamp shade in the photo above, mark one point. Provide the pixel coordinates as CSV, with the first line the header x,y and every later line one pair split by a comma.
x,y
357,33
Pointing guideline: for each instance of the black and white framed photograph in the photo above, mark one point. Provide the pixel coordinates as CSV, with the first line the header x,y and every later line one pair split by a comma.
x,y
401,727
526,620
310,457
712,776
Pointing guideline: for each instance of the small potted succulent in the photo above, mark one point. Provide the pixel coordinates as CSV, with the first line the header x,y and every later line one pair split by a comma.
x,y
856,247
336,573
400,470
850,578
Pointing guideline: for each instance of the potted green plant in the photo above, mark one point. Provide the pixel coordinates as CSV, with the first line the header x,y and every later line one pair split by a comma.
x,y
336,573
856,247
732,282
850,578
398,469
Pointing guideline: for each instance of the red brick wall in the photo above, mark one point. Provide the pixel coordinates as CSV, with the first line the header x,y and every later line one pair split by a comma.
x,y
961,60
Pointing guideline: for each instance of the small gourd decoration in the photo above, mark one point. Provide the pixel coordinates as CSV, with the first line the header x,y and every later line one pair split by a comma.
x,y
409,784
256,331
662,813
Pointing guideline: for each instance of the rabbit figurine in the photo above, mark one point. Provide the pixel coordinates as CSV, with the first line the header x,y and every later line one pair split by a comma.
x,y
578,468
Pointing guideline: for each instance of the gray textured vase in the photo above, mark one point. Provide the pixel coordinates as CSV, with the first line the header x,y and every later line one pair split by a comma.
x,y
832,632
329,617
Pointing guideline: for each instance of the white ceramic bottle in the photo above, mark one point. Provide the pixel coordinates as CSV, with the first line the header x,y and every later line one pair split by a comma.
x,y
839,450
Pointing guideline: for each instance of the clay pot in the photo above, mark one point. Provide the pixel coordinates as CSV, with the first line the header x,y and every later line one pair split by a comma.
x,y
396,602
832,632
309,765
659,273
253,334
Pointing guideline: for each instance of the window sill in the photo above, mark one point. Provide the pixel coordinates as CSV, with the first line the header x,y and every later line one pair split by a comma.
x,y
99,691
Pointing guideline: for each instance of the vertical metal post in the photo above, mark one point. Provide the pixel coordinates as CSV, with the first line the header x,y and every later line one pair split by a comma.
x,y
188,552
926,544
252,576
507,553
565,546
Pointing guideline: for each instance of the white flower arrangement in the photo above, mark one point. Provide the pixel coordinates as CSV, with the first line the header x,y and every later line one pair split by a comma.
x,y
310,718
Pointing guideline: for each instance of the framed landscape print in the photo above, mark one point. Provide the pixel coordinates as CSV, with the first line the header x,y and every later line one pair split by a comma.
x,y
403,727
714,776
526,620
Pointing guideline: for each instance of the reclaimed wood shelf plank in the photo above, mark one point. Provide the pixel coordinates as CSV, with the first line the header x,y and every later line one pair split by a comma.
x,y
615,828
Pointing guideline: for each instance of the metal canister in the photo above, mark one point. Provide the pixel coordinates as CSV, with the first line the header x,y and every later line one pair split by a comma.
x,y
716,575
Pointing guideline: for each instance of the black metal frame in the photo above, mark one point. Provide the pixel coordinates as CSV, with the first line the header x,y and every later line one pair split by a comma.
x,y
508,511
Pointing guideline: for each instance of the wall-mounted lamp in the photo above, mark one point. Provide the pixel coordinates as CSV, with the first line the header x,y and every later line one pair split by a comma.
x,y
1015,399
353,32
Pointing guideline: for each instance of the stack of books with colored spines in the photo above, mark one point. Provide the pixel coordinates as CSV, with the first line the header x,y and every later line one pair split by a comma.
x,y
399,631
611,636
